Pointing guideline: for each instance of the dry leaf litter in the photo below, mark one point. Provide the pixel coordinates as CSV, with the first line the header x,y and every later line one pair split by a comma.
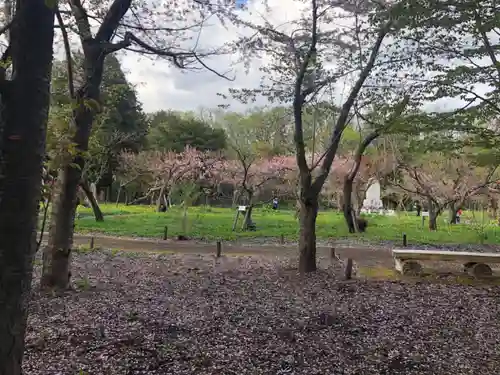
x,y
137,314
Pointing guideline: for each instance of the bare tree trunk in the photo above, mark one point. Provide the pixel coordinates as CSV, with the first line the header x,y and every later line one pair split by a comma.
x,y
307,235
118,195
432,222
93,202
247,222
44,221
433,214
161,199
23,123
492,206
56,255
349,180
347,206
453,213
236,197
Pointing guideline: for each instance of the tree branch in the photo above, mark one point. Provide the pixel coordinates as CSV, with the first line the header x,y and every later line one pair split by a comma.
x,y
67,50
178,58
346,108
298,102
112,20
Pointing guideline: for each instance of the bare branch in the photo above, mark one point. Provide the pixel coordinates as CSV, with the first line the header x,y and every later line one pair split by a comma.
x,y
67,50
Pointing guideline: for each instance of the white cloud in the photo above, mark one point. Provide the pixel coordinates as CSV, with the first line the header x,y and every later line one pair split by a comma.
x,y
162,86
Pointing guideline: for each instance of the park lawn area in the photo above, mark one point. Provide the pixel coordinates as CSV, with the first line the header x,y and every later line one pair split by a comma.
x,y
211,223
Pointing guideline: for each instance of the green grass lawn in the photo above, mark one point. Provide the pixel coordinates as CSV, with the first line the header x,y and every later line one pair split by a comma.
x,y
216,223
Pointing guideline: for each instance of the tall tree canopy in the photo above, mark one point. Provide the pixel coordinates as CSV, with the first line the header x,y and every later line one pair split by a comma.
x,y
173,131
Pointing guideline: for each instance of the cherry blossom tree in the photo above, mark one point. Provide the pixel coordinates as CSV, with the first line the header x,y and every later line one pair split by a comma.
x,y
133,168
249,176
443,181
329,45
162,171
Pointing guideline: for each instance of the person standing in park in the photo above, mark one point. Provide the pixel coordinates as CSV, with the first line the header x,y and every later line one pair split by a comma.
x,y
275,203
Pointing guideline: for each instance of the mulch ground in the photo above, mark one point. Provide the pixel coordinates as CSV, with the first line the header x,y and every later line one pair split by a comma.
x,y
139,313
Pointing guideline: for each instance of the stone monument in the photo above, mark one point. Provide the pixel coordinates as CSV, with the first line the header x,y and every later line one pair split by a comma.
x,y
372,202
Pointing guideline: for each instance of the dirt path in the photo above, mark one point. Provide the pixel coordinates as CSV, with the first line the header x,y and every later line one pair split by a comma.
x,y
366,255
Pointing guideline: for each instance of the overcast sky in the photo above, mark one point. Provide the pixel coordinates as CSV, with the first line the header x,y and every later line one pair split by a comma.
x,y
160,85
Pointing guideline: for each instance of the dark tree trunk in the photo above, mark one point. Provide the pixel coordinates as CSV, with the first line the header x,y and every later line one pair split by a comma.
x,y
492,206
24,110
433,215
247,221
307,235
57,253
93,202
432,221
56,257
347,206
453,213
56,262
349,214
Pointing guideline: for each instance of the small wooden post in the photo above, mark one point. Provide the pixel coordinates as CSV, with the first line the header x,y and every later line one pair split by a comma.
x,y
348,269
332,253
91,243
219,249
282,239
165,233
405,242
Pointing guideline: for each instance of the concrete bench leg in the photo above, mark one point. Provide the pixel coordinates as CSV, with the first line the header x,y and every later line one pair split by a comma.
x,y
408,267
468,266
480,270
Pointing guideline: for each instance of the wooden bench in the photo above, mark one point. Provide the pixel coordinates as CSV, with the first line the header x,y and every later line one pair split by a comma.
x,y
407,261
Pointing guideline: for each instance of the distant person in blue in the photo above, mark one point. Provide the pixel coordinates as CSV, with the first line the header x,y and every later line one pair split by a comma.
x,y
275,203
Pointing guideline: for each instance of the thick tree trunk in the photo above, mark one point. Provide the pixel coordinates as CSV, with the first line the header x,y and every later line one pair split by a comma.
x,y
347,206
432,222
307,235
433,215
93,202
57,253
24,111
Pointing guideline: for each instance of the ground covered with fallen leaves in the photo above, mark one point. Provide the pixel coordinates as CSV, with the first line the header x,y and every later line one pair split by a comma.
x,y
191,314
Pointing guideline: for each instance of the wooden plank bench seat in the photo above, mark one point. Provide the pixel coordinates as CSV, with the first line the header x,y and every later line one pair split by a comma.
x,y
407,261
